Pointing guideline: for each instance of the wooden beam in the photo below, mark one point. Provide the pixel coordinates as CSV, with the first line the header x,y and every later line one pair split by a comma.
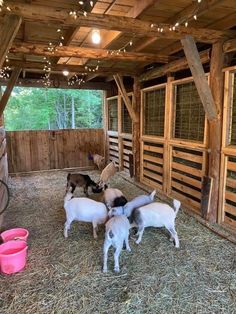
x,y
215,126
138,27
194,62
38,67
173,66
121,88
81,52
8,31
230,45
14,76
136,128
59,84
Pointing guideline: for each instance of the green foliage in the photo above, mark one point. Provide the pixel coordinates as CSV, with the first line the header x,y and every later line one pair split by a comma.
x,y
42,109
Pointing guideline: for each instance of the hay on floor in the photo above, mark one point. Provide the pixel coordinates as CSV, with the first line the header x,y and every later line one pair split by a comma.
x,y
64,276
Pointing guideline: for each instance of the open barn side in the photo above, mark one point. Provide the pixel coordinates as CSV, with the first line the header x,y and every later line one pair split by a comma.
x,y
65,275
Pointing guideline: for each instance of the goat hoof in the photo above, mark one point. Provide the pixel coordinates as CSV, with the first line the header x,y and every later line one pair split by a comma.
x,y
116,270
129,249
104,270
137,242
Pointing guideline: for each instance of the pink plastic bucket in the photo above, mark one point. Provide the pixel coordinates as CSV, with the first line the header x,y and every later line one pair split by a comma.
x,y
13,256
15,234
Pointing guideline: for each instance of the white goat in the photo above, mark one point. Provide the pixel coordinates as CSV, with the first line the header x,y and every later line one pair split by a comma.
x,y
110,195
83,209
117,232
157,215
108,172
128,208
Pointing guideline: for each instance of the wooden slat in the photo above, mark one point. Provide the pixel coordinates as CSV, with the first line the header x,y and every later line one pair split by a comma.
x,y
127,151
231,166
187,169
151,183
193,205
187,156
230,196
229,221
230,209
112,139
113,147
127,143
153,159
152,167
152,175
186,189
153,148
186,179
231,183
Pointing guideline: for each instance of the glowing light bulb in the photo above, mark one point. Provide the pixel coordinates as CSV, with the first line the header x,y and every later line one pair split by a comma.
x,y
96,37
65,72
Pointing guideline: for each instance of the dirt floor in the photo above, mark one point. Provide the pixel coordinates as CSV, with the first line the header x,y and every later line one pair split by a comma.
x,y
64,276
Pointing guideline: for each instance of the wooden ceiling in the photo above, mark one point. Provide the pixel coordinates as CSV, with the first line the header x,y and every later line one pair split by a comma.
x,y
115,18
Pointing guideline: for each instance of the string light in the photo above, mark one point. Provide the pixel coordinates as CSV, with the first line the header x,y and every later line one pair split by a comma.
x,y
75,13
163,27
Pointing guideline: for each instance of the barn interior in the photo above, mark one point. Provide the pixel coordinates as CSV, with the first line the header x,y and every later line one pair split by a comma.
x,y
167,69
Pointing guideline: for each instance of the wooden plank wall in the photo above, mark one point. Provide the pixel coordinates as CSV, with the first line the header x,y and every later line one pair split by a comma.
x,y
44,150
120,144
3,171
227,191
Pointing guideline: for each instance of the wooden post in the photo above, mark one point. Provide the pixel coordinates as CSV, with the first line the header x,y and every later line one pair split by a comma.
x,y
105,126
1,117
167,135
215,126
3,102
200,80
9,29
136,128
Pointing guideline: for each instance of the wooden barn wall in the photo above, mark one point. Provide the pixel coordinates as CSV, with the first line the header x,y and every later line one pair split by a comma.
x,y
3,171
44,150
227,206
119,132
173,141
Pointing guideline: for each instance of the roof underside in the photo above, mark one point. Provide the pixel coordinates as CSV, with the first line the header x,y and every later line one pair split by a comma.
x,y
211,14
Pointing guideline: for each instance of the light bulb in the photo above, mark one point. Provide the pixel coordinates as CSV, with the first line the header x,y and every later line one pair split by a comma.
x,y
96,37
65,72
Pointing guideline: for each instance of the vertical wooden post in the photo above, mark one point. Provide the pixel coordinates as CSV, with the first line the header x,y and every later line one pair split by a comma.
x,y
1,117
120,140
105,125
136,128
215,126
167,135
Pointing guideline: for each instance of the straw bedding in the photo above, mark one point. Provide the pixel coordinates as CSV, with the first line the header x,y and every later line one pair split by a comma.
x,y
64,276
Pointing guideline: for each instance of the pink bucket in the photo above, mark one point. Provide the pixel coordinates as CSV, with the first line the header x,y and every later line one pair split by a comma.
x,y
15,234
13,256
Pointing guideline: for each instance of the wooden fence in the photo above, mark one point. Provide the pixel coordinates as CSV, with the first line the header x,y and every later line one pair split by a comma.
x,y
44,150
3,171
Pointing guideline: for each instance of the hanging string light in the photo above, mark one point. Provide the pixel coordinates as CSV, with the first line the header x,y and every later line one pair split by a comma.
x,y
184,21
123,48
75,13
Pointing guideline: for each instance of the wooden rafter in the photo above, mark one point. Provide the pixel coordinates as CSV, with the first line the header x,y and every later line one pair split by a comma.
x,y
38,66
194,62
124,95
58,83
8,32
81,52
173,66
230,45
122,24
14,76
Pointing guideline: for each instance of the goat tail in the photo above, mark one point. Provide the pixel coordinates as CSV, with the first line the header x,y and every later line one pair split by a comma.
x,y
110,234
176,205
152,195
68,177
